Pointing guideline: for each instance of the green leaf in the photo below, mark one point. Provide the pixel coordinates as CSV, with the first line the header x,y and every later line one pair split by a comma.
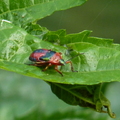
x,y
82,95
96,62
61,38
99,58
36,30
22,12
55,36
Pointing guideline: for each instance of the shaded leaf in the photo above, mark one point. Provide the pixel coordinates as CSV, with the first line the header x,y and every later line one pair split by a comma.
x,y
85,96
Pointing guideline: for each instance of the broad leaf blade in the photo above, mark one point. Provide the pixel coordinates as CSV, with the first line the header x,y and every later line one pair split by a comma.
x,y
96,62
22,12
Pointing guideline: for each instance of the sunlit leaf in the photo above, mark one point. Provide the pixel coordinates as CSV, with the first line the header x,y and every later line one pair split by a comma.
x,y
22,12
96,62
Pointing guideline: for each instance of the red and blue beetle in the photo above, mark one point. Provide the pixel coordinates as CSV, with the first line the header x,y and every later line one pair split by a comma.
x,y
46,57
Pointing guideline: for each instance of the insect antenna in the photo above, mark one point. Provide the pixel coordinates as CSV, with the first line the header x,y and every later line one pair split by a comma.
x,y
74,56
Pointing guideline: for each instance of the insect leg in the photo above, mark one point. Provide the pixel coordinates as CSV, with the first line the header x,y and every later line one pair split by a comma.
x,y
70,65
47,67
56,68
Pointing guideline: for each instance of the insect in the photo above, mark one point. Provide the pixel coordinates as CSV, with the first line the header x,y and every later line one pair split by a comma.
x,y
47,58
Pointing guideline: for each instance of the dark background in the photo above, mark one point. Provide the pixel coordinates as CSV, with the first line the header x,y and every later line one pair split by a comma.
x,y
100,16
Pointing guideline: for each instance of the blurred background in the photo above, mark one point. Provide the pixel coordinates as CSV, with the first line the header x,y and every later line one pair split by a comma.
x,y
102,17
22,96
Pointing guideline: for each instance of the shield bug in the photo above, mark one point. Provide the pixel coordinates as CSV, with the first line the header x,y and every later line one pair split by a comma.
x,y
47,58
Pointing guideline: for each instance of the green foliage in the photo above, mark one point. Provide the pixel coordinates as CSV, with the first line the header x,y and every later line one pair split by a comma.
x,y
20,35
22,12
